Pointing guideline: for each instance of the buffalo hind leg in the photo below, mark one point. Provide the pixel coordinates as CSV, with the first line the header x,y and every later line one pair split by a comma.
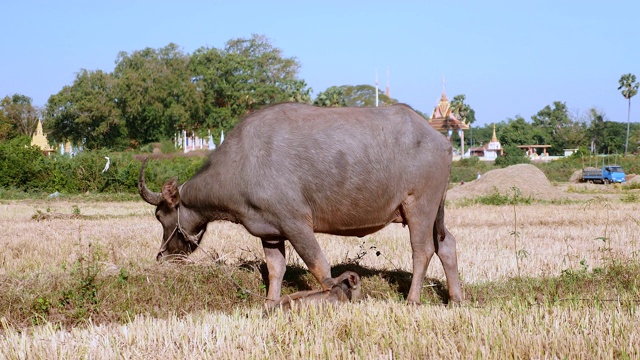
x,y
422,248
274,254
446,251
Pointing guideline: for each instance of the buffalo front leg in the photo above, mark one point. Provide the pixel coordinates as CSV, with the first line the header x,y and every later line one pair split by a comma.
x,y
304,242
274,254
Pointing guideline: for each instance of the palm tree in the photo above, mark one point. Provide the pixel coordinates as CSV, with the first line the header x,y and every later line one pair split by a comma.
x,y
629,87
332,97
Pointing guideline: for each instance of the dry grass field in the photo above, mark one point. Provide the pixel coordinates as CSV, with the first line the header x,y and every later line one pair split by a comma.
x,y
78,279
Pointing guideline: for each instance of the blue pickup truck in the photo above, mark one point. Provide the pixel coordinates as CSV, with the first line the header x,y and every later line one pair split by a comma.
x,y
608,174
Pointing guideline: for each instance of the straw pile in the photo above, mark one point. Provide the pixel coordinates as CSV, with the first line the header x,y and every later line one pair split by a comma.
x,y
529,179
576,177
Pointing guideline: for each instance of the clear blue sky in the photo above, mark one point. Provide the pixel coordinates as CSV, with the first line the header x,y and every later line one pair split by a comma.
x,y
508,57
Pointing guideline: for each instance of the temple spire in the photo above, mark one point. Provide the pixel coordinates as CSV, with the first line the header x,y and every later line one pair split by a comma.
x,y
494,138
39,139
388,90
443,88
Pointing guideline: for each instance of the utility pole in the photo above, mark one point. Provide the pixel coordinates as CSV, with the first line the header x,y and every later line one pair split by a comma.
x,y
376,87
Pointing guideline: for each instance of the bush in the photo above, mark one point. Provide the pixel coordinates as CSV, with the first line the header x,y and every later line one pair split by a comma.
x,y
467,169
512,156
581,153
497,199
23,166
560,170
27,169
168,147
471,161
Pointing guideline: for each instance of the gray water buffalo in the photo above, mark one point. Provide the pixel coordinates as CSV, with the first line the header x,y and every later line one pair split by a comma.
x,y
291,170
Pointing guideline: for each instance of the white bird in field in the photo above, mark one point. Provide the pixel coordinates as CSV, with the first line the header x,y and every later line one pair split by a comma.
x,y
106,166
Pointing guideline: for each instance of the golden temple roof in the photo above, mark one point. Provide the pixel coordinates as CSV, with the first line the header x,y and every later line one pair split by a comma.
x,y
443,118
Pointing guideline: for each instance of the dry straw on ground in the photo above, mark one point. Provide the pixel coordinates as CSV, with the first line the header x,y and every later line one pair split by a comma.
x,y
555,238
369,330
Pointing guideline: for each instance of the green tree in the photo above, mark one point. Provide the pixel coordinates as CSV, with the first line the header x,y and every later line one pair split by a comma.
x,y
462,110
465,113
217,79
512,155
244,76
365,96
613,138
595,131
634,138
19,116
332,97
556,125
519,132
155,93
572,136
629,87
295,90
7,130
86,113
481,134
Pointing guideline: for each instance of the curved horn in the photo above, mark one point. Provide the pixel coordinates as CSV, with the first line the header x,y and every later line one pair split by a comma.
x,y
147,195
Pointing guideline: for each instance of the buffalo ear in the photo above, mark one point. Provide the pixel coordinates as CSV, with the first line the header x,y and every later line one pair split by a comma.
x,y
352,280
170,192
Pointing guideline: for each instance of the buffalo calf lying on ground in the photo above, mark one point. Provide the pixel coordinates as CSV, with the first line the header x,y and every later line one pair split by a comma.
x,y
348,288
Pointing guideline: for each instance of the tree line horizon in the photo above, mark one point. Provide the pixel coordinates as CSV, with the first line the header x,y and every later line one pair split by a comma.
x,y
152,94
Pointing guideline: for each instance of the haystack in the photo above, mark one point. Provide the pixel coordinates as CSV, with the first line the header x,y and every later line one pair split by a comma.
x,y
576,177
529,179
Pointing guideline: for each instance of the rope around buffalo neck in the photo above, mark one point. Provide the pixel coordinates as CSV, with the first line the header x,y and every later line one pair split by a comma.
x,y
193,239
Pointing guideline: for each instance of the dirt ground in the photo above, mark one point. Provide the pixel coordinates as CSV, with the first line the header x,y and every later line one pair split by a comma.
x,y
531,182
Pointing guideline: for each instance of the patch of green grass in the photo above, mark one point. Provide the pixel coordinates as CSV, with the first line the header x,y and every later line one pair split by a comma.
x,y
631,186
617,282
16,194
496,198
630,198
559,201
